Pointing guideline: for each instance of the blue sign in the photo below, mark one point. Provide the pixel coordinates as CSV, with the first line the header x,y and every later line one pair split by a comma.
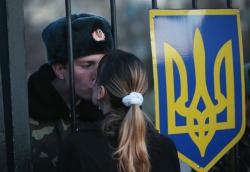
x,y
199,81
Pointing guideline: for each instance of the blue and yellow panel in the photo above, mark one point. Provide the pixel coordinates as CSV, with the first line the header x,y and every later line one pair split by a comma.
x,y
199,81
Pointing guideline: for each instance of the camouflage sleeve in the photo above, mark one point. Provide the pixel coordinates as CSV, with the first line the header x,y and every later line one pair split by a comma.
x,y
46,140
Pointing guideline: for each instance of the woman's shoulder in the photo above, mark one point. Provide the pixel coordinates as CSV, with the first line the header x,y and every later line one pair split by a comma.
x,y
166,140
157,139
163,153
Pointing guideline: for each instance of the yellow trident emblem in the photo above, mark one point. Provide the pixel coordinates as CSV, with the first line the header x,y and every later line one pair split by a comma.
x,y
200,125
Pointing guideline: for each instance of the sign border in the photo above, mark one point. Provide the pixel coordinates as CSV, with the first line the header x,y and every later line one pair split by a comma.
x,y
156,12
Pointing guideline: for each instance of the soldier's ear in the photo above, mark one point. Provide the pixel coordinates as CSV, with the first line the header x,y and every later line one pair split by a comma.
x,y
58,70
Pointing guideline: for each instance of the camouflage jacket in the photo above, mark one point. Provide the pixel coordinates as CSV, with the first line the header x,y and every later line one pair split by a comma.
x,y
50,119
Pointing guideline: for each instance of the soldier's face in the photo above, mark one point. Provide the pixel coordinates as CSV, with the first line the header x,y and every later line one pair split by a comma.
x,y
85,73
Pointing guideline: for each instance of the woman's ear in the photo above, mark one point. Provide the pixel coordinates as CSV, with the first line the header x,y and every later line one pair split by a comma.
x,y
102,92
58,70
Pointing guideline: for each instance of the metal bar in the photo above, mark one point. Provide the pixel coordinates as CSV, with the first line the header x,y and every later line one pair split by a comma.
x,y
3,156
14,88
7,108
71,66
113,22
154,4
229,4
6,101
194,4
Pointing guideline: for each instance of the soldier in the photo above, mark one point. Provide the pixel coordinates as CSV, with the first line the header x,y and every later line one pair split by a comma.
x,y
49,89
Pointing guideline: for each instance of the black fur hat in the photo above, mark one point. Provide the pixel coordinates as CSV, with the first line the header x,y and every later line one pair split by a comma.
x,y
91,34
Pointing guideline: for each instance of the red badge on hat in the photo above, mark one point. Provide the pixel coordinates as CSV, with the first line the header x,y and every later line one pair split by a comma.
x,y
98,35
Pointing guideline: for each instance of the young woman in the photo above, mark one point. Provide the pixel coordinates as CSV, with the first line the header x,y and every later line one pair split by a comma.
x,y
124,139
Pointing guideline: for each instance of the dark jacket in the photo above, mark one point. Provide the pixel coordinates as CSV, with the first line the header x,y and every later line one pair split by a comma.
x,y
50,119
89,151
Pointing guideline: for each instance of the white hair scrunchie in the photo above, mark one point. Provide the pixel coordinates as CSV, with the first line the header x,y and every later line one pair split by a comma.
x,y
133,98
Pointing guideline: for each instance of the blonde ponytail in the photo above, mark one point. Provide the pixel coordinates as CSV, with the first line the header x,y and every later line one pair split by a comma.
x,y
132,150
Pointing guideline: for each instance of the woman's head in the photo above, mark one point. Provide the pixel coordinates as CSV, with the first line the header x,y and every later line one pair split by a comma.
x,y
121,73
120,83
